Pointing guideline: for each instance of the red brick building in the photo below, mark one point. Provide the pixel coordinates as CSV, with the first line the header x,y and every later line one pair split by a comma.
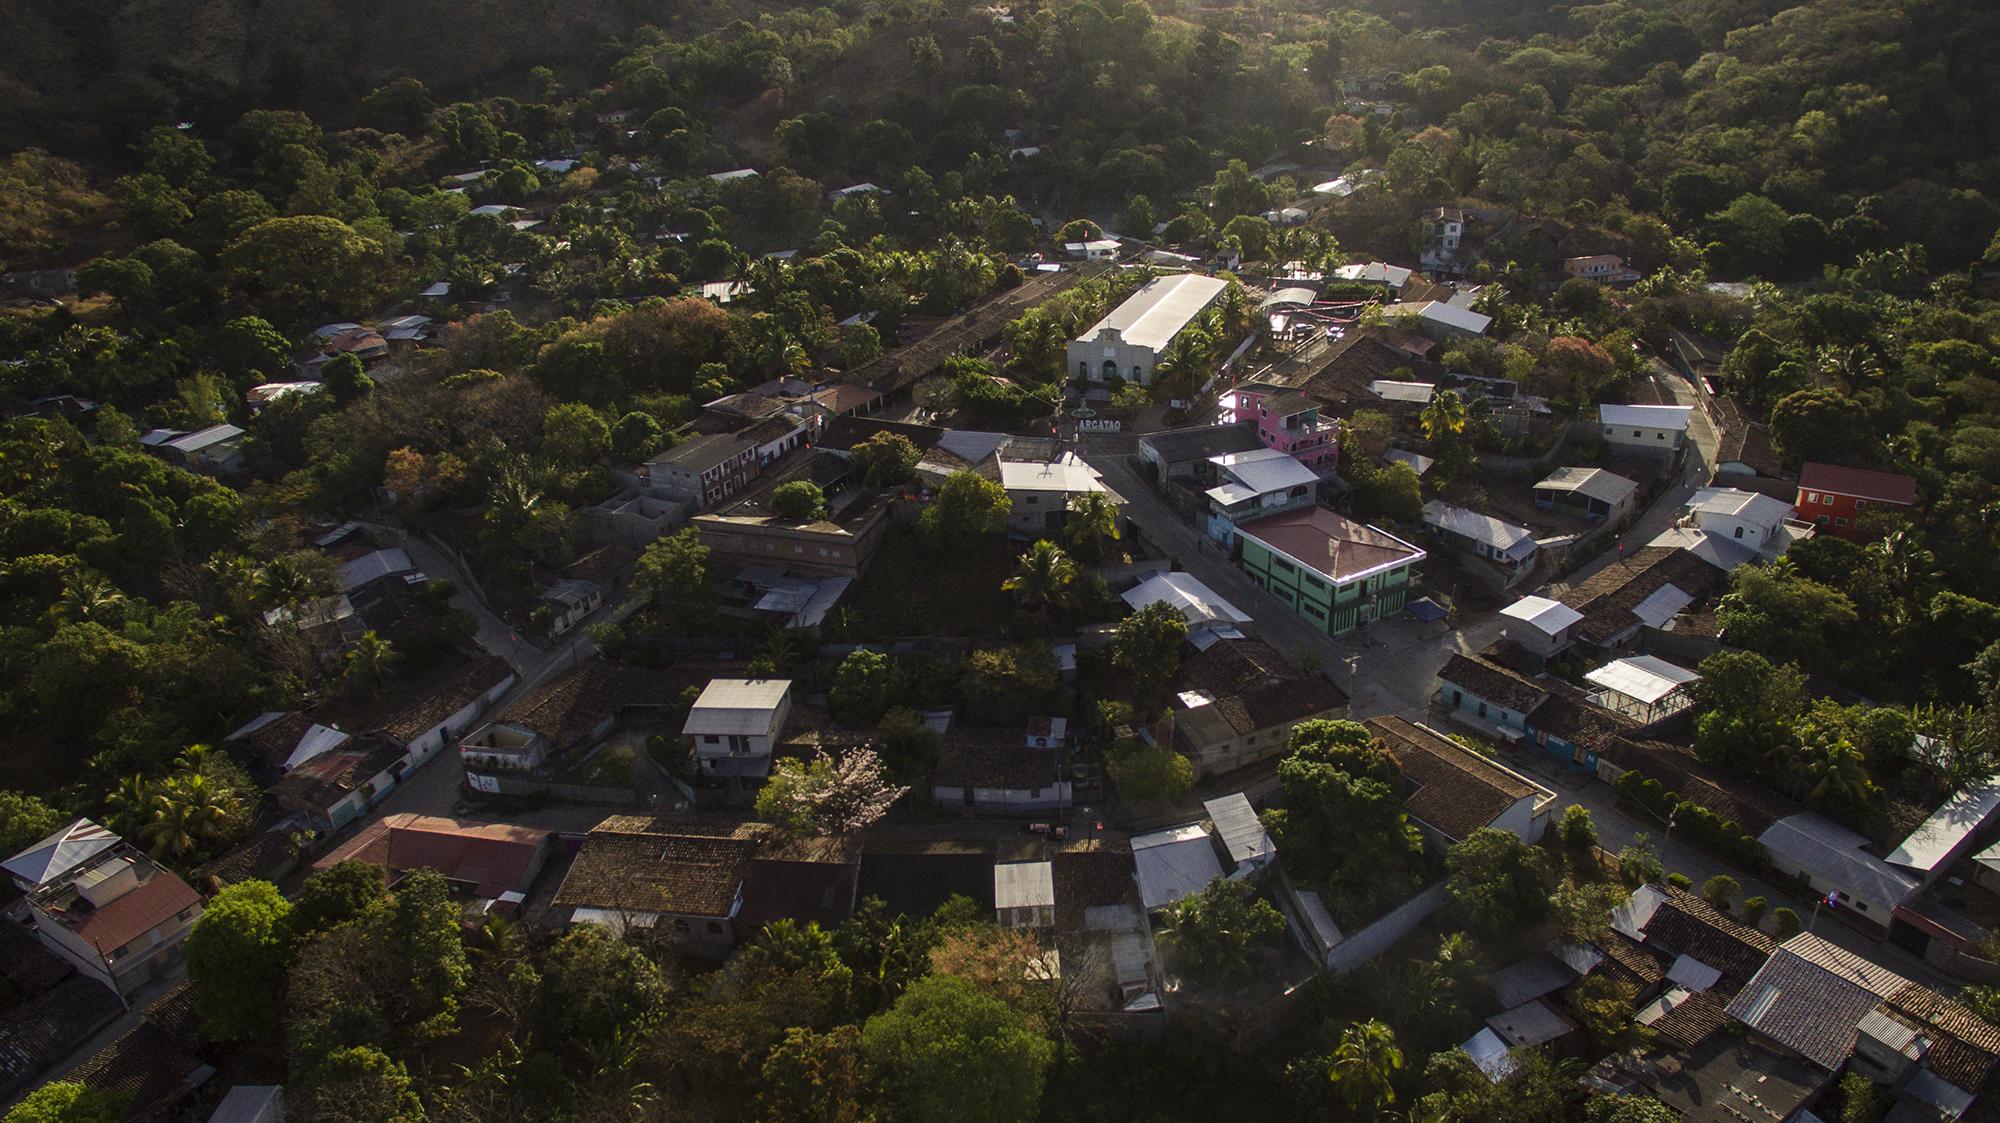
x,y
1835,498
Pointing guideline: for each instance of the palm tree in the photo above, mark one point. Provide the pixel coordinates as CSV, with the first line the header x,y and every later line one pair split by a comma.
x,y
189,812
369,660
1444,415
1839,777
1909,568
88,595
1363,1066
283,582
129,803
1093,519
1044,577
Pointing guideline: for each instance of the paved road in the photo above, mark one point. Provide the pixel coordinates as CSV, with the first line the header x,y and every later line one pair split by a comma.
x,y
1666,509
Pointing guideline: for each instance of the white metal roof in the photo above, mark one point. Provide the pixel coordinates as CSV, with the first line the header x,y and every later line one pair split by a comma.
x,y
1948,828
495,208
1499,534
1298,295
738,706
60,853
1662,605
1750,506
1693,974
205,438
1023,885
1630,919
1547,616
1530,1024
251,1103
1236,823
1645,417
437,289
1396,390
1265,470
1450,315
1418,462
370,566
1377,271
1643,677
1174,863
1163,306
1834,854
1598,484
1196,601
737,173
1490,1055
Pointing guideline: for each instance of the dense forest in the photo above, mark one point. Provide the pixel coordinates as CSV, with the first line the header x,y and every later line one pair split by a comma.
x,y
225,177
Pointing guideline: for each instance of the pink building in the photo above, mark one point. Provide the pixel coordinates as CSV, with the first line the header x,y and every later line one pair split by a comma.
x,y
1287,420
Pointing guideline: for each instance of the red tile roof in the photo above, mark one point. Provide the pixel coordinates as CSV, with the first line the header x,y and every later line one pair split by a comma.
x,y
1333,544
1876,487
124,919
494,858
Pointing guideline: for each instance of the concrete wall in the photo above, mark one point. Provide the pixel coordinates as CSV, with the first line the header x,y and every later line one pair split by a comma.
x,y
1362,947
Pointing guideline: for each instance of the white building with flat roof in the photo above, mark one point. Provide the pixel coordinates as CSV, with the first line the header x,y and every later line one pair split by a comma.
x,y
1127,343
1654,429
736,722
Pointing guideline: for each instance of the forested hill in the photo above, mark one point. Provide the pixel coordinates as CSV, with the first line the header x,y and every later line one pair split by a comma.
x,y
85,78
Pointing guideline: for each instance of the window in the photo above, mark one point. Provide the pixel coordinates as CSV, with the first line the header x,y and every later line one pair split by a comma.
x,y
1083,369
1827,499
711,739
1636,433
1138,372
1283,565
1739,532
680,926
715,928
1860,504
1812,496
1840,522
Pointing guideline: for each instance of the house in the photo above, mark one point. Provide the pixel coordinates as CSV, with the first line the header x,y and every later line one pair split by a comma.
x,y
371,347
1288,421
1253,485
1509,547
569,602
1392,278
1337,573
1654,430
217,449
489,863
1209,617
1645,589
1540,626
1451,791
1237,703
841,544
1590,493
1644,688
733,175
1097,249
406,329
1499,702
705,470
566,714
118,918
1835,498
1128,342
1024,894
1247,847
1836,863
994,772
1757,523
1442,320
78,843
1190,453
47,1011
684,889
153,1067
634,518
1174,863
1105,945
1744,450
1041,490
336,787
1444,235
1949,833
1812,997
735,724
1604,268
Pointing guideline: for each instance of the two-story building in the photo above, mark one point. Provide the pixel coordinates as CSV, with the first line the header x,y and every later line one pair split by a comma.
x,y
1604,268
1287,421
1834,498
1444,235
1656,430
1041,490
1255,485
119,918
705,470
1236,703
1508,547
1337,573
735,724
1128,342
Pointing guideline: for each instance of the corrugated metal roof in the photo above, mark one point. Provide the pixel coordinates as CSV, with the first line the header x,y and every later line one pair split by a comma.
x,y
1174,863
1645,417
1834,854
1243,836
1152,316
1020,885
1950,826
1546,615
1643,677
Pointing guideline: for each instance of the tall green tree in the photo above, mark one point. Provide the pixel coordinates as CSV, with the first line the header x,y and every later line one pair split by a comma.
x,y
948,1054
237,955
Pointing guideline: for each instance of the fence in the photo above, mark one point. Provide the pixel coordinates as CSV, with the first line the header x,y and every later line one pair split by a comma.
x,y
1362,947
